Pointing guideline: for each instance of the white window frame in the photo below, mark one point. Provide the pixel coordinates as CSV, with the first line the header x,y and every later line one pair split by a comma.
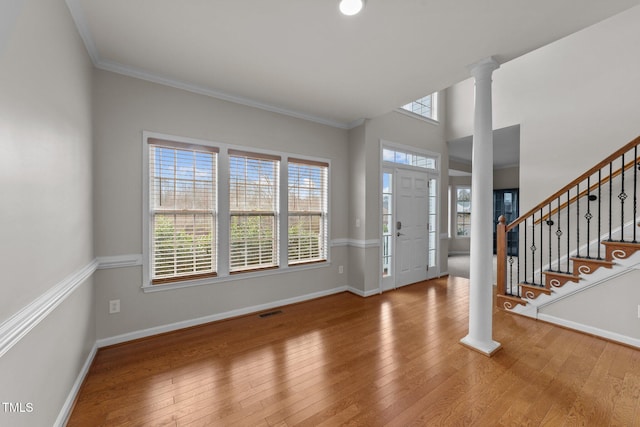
x,y
433,119
273,212
321,212
455,212
391,231
391,166
414,154
223,216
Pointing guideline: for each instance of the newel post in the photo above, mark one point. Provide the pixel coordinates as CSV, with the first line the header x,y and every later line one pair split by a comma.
x,y
501,254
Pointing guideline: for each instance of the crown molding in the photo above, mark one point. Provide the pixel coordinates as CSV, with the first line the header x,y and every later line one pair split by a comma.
x,y
98,62
81,25
202,90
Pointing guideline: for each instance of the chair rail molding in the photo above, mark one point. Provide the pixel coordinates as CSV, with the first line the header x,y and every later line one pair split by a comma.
x,y
21,323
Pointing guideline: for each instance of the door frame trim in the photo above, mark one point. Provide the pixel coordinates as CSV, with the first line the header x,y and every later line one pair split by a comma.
x,y
391,165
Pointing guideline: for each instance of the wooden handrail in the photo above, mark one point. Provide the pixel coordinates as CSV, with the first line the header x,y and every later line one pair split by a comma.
x,y
583,193
575,182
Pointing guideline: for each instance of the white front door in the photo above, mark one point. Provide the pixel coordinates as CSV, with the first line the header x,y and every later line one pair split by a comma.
x,y
411,227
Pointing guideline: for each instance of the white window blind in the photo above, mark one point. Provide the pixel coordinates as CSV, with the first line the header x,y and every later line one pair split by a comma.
x,y
253,200
182,203
307,210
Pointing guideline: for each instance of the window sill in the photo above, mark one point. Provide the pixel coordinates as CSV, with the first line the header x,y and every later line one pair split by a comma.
x,y
233,277
417,116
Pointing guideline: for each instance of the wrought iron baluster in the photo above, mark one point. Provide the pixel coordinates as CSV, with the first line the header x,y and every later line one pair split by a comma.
x,y
510,262
610,196
517,231
578,219
541,246
524,271
622,196
558,232
599,209
550,224
635,191
568,227
533,249
588,217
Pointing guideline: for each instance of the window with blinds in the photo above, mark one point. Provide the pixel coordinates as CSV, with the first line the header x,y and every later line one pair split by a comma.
x,y
182,204
307,211
253,207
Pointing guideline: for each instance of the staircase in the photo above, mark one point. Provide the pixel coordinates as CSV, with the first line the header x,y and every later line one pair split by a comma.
x,y
582,235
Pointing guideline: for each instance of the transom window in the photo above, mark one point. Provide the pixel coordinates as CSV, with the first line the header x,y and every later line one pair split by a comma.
x,y
185,207
407,158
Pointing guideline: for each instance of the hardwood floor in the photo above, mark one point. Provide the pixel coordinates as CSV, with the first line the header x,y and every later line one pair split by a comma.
x,y
393,359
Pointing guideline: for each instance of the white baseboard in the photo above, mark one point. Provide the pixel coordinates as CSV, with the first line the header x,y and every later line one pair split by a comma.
x,y
104,342
361,293
634,342
65,412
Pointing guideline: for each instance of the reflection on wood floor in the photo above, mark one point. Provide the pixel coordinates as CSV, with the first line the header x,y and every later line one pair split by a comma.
x,y
392,359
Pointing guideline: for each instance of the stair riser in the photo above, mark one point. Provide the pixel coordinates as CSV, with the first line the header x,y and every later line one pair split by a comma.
x,y
556,281
584,266
620,250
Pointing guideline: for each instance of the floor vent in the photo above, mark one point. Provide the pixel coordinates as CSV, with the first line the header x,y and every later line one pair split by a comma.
x,y
269,314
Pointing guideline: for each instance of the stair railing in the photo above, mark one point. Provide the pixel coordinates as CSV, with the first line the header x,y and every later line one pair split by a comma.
x,y
563,235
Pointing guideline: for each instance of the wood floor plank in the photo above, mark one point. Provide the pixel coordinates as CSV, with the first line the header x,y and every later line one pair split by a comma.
x,y
390,359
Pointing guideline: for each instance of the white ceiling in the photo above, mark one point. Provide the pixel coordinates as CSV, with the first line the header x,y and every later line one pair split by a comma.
x,y
302,58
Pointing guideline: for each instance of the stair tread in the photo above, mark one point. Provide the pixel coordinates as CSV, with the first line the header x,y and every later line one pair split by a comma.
x,y
621,243
531,291
506,302
531,285
513,297
560,273
594,260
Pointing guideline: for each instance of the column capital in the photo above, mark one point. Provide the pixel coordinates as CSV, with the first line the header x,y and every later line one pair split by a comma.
x,y
484,68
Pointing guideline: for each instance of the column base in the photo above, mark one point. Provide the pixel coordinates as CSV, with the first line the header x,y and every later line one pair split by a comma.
x,y
488,348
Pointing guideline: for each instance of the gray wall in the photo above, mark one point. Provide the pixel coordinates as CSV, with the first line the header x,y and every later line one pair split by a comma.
x,y
506,178
614,315
45,183
124,107
357,206
577,101
398,128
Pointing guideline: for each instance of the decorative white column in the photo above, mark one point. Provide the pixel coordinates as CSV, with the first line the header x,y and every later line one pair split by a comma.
x,y
481,268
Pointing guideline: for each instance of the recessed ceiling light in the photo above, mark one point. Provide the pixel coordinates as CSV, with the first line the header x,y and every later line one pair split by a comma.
x,y
351,7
